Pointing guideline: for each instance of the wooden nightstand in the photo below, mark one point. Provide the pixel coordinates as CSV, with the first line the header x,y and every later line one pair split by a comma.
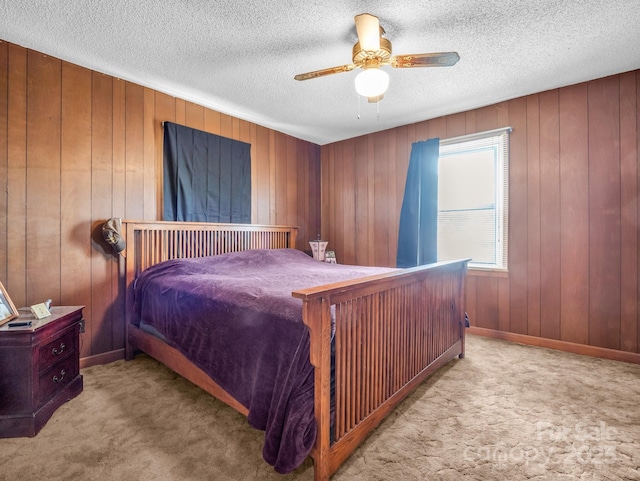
x,y
39,369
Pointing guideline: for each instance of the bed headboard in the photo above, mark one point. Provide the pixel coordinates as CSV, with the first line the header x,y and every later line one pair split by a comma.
x,y
151,242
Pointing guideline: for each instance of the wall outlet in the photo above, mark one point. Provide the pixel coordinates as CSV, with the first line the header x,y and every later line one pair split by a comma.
x,y
81,325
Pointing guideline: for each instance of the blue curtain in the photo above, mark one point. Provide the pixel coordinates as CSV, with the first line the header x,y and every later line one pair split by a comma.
x,y
418,235
207,178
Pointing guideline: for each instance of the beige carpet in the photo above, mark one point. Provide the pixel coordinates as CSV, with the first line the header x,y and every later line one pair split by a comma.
x,y
506,411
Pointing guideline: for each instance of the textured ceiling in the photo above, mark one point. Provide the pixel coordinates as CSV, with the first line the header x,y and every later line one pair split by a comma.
x,y
240,57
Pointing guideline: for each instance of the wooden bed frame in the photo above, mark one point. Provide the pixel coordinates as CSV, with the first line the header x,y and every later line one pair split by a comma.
x,y
391,330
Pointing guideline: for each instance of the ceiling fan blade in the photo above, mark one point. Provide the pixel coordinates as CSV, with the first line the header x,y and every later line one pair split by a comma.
x,y
368,28
439,59
325,71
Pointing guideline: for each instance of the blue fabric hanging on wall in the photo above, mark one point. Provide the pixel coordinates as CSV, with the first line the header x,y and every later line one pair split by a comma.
x,y
418,235
207,178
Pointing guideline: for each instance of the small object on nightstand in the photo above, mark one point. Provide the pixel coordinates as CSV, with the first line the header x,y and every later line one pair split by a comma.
x,y
330,257
20,324
40,311
317,248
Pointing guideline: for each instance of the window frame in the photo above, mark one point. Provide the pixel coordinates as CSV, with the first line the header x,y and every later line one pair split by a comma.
x,y
474,141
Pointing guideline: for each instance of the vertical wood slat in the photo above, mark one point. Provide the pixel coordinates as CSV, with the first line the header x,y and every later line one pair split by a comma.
x,y
518,226
604,213
16,280
75,188
337,202
534,215
149,132
101,142
550,207
361,202
281,206
4,158
291,187
43,247
574,202
134,151
381,202
487,315
371,198
118,200
629,125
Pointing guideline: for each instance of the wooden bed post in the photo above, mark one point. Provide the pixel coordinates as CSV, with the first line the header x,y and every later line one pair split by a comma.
x,y
317,312
127,262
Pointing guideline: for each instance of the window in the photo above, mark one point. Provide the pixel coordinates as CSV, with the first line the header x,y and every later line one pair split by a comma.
x,y
473,196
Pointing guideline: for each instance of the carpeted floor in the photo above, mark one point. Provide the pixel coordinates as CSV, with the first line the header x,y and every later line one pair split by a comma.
x,y
505,412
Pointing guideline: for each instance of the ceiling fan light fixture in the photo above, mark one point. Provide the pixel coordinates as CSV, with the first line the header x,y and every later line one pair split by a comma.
x,y
372,82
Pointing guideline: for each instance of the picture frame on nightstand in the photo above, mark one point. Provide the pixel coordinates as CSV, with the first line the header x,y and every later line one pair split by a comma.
x,y
7,310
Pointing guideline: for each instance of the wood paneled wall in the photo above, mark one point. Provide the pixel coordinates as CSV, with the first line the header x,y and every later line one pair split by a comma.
x,y
574,210
78,147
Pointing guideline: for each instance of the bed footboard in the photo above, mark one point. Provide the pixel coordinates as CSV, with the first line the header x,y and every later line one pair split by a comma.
x,y
391,332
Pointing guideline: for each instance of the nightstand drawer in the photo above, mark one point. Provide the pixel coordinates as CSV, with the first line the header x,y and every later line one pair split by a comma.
x,y
56,349
53,380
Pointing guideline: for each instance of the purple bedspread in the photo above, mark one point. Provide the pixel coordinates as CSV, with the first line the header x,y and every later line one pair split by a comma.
x,y
234,317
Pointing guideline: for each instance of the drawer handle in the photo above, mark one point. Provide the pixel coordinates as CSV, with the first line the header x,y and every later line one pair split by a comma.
x,y
57,351
57,379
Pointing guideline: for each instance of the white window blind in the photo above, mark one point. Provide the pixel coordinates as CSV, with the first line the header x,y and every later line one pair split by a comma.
x,y
473,198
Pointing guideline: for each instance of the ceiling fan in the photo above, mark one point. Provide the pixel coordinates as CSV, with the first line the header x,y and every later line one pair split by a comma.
x,y
372,51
